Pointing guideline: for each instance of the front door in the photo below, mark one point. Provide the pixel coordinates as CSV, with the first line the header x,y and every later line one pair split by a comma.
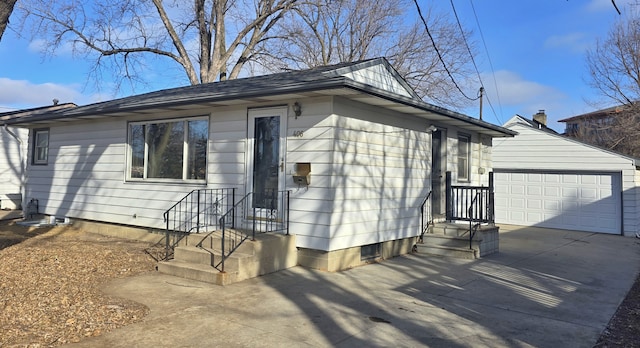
x,y
438,168
266,160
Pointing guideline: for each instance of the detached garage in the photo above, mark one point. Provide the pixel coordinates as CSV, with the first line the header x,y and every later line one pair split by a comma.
x,y
547,180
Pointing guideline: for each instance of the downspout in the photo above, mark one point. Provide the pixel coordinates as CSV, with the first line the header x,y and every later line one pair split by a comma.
x,y
22,163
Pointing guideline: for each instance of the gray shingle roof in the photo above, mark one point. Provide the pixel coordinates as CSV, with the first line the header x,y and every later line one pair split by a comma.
x,y
289,82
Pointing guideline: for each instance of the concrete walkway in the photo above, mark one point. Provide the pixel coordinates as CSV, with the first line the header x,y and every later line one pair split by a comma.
x,y
546,288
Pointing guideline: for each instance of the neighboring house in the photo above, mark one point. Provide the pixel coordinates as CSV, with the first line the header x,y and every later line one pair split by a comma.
x,y
549,180
13,157
614,128
352,143
589,122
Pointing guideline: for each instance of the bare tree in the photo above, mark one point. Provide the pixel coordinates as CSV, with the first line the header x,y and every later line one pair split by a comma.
x,y
6,8
614,63
208,40
327,32
614,71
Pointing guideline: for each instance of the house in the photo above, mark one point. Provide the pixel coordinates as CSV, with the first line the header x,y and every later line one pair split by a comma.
x,y
14,142
341,157
550,180
590,121
613,128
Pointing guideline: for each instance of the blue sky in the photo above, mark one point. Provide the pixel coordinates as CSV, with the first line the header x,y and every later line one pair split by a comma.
x,y
536,48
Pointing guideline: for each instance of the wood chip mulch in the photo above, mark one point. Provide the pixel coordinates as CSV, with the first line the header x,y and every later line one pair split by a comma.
x,y
50,284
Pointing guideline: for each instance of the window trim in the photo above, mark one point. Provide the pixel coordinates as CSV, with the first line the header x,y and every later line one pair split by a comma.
x,y
467,175
185,149
34,155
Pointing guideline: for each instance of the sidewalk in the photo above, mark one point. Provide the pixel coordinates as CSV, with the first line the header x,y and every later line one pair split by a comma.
x,y
546,288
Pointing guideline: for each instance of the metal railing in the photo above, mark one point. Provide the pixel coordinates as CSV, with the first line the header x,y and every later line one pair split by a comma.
x,y
265,212
470,203
425,216
473,228
198,211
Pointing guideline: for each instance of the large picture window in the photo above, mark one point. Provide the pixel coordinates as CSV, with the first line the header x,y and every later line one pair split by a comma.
x,y
464,157
172,149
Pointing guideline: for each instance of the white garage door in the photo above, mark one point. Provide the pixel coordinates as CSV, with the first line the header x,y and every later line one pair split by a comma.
x,y
573,201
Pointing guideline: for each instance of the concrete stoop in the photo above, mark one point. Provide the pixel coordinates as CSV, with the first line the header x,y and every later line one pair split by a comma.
x,y
452,240
266,254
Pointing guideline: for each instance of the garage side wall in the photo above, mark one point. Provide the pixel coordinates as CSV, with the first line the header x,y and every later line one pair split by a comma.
x,y
533,150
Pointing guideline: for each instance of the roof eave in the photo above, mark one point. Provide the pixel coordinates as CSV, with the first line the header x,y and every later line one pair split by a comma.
x,y
337,82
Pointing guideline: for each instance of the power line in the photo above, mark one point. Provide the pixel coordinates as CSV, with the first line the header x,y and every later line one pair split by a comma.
x,y
438,52
493,73
464,38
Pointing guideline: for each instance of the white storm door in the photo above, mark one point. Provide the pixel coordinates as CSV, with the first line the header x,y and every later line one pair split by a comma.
x,y
266,140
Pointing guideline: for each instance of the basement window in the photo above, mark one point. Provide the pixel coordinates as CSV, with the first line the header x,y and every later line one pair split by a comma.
x,y
168,150
370,252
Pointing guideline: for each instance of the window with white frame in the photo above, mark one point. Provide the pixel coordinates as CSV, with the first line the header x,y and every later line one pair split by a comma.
x,y
464,157
168,149
40,146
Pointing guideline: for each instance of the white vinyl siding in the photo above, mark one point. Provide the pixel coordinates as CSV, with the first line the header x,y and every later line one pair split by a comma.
x,y
369,174
86,174
378,76
479,157
536,150
13,159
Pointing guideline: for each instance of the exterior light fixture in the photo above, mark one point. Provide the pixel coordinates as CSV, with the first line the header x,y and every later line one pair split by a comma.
x,y
297,109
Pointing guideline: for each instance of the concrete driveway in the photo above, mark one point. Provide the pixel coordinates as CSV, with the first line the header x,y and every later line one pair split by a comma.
x,y
546,288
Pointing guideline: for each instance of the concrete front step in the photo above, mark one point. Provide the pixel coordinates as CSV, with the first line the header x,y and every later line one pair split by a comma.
x,y
204,256
452,239
199,272
450,229
214,241
448,251
268,253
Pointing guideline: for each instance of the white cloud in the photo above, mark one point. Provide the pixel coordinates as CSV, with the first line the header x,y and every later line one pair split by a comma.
x,y
18,94
40,46
576,42
607,5
514,90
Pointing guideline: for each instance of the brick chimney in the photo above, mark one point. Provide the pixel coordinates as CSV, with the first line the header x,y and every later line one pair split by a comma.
x,y
540,117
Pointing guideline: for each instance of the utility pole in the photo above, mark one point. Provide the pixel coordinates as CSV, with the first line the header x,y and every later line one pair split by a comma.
x,y
481,93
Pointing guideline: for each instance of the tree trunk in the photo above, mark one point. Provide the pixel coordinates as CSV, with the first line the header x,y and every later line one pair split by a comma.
x,y
6,7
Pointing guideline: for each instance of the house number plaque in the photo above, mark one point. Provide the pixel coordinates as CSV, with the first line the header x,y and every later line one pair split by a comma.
x,y
298,134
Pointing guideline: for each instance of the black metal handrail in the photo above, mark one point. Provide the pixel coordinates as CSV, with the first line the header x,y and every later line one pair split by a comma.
x,y
473,228
264,212
198,211
425,216
460,198
464,198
